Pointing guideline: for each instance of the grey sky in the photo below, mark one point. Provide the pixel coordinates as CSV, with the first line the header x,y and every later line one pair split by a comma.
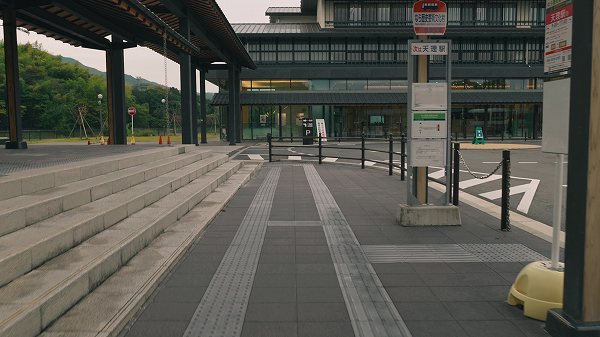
x,y
147,64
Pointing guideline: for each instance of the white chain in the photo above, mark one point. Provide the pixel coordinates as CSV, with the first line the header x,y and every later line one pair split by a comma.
x,y
166,82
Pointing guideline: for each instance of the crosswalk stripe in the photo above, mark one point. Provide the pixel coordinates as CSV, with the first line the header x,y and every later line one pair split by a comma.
x,y
330,160
369,163
437,175
528,190
475,181
255,157
294,158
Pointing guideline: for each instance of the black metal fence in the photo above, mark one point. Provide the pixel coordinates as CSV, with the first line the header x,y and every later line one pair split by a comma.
x,y
35,134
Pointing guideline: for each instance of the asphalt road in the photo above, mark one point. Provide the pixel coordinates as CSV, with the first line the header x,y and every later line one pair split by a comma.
x,y
532,171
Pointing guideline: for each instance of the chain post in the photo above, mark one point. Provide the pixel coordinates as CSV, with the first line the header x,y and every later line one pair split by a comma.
x,y
402,158
391,155
456,174
270,141
505,212
320,149
362,151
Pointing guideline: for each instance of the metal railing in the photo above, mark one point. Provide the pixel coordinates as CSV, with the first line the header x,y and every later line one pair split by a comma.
x,y
391,154
35,134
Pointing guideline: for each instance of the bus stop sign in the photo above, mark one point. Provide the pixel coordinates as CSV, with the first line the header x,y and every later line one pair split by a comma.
x,y
430,17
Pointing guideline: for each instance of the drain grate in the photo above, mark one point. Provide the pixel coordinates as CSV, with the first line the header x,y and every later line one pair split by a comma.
x,y
222,309
451,253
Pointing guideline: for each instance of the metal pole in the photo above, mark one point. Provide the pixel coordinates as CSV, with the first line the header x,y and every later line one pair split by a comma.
x,y
402,158
320,149
557,218
269,140
456,173
391,156
505,211
362,150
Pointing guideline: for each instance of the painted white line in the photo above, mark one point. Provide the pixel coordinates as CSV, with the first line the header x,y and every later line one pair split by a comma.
x,y
255,157
564,185
437,174
528,162
475,181
330,160
528,190
369,163
489,162
294,158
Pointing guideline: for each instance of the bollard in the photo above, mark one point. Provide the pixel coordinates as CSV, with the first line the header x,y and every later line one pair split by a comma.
x,y
362,151
505,212
456,174
270,140
391,156
402,158
320,149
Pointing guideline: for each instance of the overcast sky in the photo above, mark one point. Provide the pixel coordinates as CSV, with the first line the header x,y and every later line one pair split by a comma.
x,y
146,63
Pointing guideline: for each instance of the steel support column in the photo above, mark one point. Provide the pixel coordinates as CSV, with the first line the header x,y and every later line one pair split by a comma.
x,y
13,90
185,69
203,105
580,315
231,122
194,107
115,81
239,127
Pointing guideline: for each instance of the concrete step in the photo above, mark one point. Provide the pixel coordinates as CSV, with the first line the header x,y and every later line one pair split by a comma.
x,y
108,309
35,180
24,250
32,302
24,210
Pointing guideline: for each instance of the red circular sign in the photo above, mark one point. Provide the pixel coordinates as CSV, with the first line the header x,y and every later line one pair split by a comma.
x,y
430,17
131,111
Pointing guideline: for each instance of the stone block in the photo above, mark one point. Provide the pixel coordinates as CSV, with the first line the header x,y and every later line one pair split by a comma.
x,y
76,199
67,176
69,294
37,183
10,222
14,265
10,189
427,215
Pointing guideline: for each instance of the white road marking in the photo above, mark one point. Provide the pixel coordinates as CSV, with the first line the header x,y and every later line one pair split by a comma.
x,y
528,189
489,162
255,157
564,185
294,158
528,162
475,181
437,174
330,160
369,163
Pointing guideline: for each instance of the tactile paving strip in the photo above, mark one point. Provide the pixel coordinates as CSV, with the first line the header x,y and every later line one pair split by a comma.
x,y
222,309
451,253
369,306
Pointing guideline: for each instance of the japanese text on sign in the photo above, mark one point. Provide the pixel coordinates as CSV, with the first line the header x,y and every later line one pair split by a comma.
x,y
429,48
558,37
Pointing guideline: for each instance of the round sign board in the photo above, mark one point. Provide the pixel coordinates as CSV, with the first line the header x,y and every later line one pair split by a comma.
x,y
430,17
131,111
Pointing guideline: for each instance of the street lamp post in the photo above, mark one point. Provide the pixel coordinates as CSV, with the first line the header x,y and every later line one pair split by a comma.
x,y
164,101
100,113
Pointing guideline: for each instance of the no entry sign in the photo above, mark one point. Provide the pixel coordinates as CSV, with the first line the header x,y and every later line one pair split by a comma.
x,y
430,17
131,111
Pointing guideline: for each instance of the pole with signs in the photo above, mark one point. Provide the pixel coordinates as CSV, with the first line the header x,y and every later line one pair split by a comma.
x,y
132,111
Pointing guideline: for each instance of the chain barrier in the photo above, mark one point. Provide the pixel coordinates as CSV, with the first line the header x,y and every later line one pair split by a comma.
x,y
462,160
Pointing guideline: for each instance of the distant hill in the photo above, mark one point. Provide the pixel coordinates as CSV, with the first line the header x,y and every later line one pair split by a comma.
x,y
133,81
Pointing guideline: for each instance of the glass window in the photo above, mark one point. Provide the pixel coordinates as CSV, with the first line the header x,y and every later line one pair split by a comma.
x,y
401,13
338,52
319,85
254,50
515,51
319,51
474,84
499,52
299,85
402,50
246,85
399,85
338,85
280,85
357,85
369,14
354,51
386,51
302,49
355,13
383,14
370,52
268,51
467,48
340,13
516,84
284,52
485,51
261,85
379,85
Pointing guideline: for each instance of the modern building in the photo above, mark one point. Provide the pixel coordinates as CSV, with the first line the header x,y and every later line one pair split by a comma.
x,y
346,62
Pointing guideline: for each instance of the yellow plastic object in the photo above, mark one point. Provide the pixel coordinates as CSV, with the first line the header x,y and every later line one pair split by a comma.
x,y
132,140
538,288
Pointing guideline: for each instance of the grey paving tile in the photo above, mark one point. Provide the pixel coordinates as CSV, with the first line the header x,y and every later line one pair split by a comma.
x,y
393,268
470,267
423,311
531,328
435,329
194,267
508,311
275,268
169,311
275,280
279,242
411,294
320,295
157,329
278,250
179,294
322,312
273,295
312,249
472,311
401,280
280,235
203,249
270,329
271,312
506,267
491,329
460,294
277,258
189,280
311,242
314,259
315,268
317,280
325,329
474,279
432,268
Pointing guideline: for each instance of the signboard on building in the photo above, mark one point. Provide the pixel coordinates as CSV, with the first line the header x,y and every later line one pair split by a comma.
x,y
429,48
427,152
321,130
429,96
559,36
429,124
430,17
307,126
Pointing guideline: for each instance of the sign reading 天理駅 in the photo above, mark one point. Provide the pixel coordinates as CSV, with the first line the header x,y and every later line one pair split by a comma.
x,y
429,48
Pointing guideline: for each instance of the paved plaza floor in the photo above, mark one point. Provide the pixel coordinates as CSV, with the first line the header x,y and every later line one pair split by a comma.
x,y
309,250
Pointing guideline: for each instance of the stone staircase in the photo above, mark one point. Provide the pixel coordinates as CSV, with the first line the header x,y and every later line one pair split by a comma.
x,y
64,231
